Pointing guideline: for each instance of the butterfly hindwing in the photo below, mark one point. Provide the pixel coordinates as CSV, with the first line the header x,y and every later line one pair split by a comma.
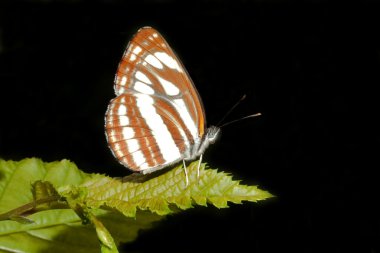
x,y
143,133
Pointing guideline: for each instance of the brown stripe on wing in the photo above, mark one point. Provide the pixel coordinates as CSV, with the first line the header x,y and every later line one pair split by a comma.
x,y
154,152
127,69
142,133
150,42
141,128
115,137
181,79
169,113
150,151
114,129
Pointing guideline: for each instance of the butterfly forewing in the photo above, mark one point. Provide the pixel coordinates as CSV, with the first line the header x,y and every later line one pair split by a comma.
x,y
150,66
157,114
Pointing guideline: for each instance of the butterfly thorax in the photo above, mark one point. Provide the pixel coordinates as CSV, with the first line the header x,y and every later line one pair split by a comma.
x,y
201,144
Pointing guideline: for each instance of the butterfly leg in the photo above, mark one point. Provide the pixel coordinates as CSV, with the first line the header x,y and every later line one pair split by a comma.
x,y
199,166
185,169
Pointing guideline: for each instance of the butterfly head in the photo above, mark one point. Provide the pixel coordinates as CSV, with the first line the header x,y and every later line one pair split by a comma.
x,y
210,137
212,134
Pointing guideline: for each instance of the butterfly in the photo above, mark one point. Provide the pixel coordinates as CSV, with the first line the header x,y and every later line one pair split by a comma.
x,y
157,118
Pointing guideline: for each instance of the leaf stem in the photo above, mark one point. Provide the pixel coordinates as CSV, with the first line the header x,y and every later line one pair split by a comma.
x,y
28,207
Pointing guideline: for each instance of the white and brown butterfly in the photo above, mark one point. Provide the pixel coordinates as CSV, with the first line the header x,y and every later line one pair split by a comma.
x,y
157,118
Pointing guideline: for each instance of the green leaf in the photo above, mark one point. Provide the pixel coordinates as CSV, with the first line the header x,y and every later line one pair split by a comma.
x,y
161,193
62,231
25,186
58,230
16,179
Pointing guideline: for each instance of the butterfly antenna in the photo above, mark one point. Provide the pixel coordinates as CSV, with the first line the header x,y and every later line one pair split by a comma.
x,y
236,120
230,110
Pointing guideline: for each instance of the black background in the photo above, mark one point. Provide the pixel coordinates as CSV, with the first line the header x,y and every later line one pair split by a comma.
x,y
312,69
